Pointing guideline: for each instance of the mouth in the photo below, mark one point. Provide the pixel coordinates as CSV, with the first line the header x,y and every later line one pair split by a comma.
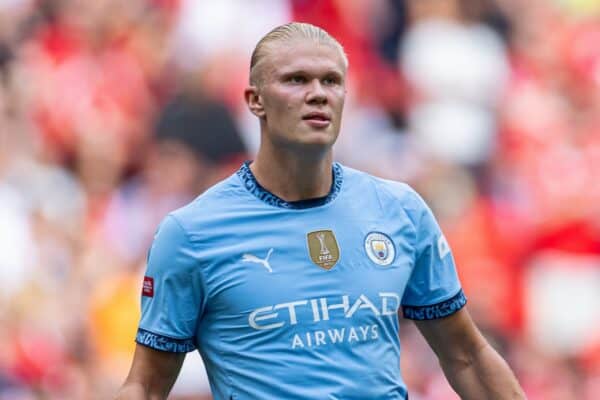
x,y
317,119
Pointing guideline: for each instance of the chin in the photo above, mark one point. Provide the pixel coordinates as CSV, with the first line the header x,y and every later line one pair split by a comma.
x,y
308,140
318,139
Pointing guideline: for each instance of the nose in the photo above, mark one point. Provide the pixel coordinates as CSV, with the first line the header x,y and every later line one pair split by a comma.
x,y
316,93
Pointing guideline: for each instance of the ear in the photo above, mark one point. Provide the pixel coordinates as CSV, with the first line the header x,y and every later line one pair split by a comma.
x,y
254,101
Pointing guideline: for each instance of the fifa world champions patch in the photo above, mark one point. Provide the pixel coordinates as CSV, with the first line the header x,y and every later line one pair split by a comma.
x,y
148,287
443,247
323,248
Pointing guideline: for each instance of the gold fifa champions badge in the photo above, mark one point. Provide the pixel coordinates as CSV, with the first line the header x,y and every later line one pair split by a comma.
x,y
323,248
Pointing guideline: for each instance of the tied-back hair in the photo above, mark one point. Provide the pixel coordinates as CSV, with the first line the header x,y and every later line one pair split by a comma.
x,y
288,32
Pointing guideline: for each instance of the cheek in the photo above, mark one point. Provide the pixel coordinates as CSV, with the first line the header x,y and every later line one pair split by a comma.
x,y
285,111
338,102
279,106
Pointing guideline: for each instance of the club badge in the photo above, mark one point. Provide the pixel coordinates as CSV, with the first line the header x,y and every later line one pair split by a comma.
x,y
380,248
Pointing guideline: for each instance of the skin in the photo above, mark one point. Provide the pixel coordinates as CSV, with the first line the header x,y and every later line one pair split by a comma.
x,y
152,374
473,368
294,162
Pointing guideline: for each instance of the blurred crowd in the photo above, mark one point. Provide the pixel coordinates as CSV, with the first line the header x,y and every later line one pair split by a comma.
x,y
113,113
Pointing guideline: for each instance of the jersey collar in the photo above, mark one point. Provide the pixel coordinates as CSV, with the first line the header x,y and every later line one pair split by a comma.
x,y
264,195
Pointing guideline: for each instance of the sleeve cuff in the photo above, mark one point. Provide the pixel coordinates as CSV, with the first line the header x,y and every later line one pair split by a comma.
x,y
435,311
163,343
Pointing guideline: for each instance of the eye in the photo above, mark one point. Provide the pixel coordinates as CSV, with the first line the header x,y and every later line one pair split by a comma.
x,y
297,79
330,80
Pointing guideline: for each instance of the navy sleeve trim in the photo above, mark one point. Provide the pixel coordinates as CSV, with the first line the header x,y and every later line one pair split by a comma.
x,y
435,311
163,343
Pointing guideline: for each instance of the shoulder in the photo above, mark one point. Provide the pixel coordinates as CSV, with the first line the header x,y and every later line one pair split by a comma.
x,y
187,230
390,193
216,199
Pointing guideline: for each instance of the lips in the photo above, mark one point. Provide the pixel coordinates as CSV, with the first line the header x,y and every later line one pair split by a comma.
x,y
317,116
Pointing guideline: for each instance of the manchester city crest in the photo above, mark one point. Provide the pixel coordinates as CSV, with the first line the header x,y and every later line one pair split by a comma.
x,y
380,248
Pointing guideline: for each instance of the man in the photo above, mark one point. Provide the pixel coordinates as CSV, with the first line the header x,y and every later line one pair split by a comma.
x,y
288,276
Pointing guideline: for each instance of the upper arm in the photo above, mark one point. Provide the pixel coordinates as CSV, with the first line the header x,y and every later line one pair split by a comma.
x,y
174,294
454,338
433,289
433,296
154,371
172,304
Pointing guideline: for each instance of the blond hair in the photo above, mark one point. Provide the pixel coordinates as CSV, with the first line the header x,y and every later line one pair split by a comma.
x,y
286,33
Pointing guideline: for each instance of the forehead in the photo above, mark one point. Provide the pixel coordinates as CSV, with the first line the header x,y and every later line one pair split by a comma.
x,y
304,55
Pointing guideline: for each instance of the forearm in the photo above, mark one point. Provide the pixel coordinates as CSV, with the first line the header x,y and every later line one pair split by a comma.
x,y
482,375
138,391
132,391
152,374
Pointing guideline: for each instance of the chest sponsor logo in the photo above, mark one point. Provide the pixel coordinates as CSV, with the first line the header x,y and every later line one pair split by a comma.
x,y
361,315
380,248
323,248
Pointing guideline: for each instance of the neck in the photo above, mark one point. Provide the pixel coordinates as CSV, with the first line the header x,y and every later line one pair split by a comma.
x,y
292,176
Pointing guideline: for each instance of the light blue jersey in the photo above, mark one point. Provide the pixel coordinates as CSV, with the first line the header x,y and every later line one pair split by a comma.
x,y
297,300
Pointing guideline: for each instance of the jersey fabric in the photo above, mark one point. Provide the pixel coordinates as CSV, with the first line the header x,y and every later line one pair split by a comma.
x,y
297,300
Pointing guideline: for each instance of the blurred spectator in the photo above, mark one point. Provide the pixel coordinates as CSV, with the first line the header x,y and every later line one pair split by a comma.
x,y
458,68
196,143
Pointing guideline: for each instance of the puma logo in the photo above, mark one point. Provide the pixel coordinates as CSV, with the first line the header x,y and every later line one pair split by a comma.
x,y
264,262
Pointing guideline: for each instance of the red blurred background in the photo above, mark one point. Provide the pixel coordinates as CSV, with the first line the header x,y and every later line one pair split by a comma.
x,y
113,113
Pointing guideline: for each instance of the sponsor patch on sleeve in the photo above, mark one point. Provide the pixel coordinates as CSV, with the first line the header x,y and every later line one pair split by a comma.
x,y
148,287
443,248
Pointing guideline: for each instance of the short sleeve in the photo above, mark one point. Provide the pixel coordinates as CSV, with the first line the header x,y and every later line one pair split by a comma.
x,y
172,293
433,289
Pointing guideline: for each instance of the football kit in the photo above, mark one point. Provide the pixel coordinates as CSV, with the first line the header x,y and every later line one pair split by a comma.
x,y
297,300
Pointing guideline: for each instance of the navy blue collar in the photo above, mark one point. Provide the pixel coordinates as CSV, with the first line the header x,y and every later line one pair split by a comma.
x,y
263,194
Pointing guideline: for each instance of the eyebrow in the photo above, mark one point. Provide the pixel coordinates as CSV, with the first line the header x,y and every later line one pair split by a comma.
x,y
301,71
